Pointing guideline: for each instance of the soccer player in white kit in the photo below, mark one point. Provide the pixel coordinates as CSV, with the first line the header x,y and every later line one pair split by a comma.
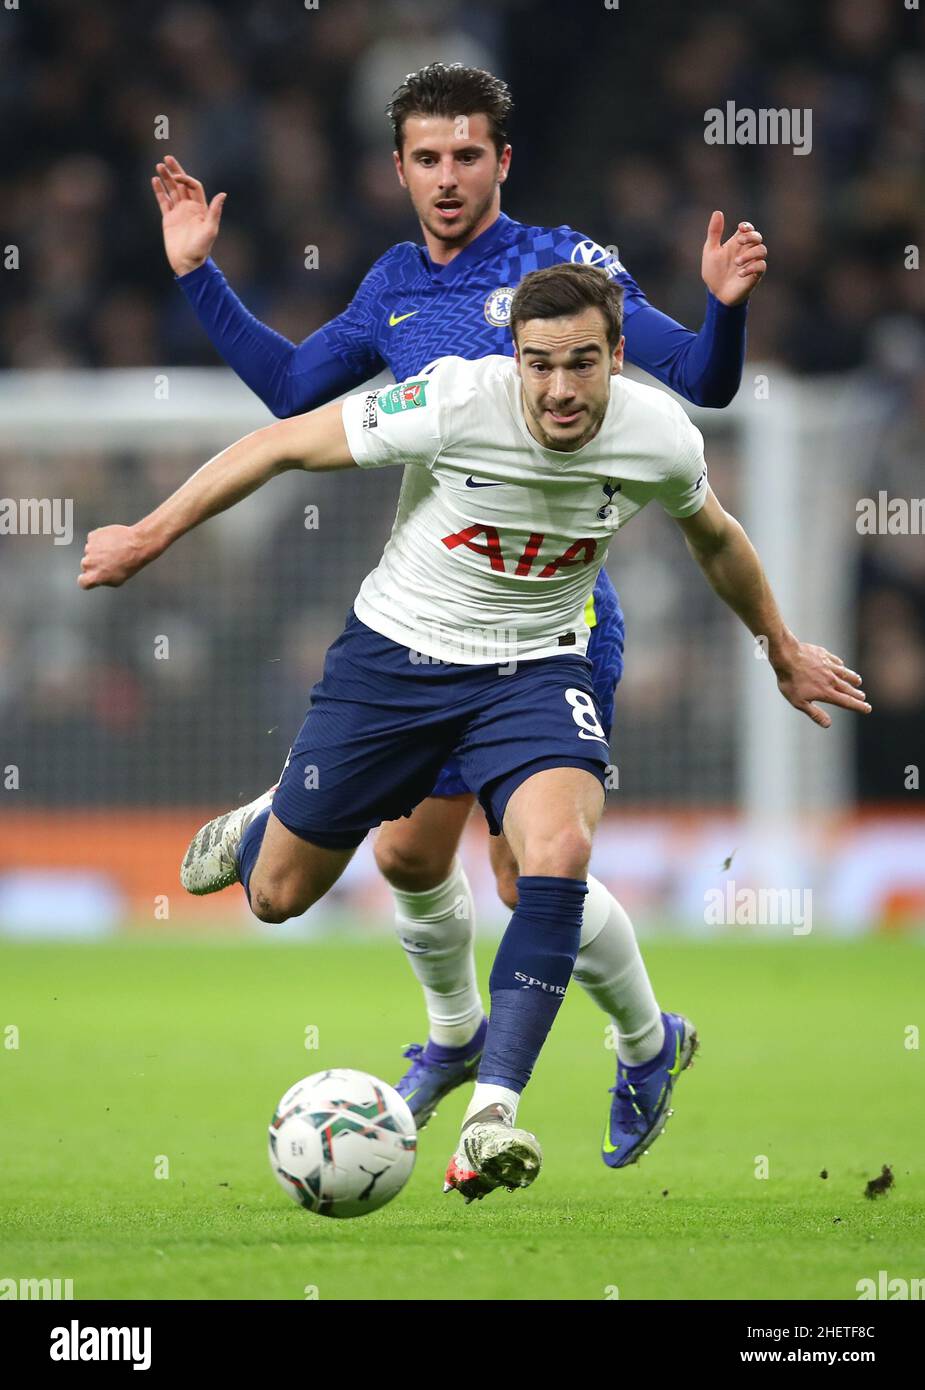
x,y
468,638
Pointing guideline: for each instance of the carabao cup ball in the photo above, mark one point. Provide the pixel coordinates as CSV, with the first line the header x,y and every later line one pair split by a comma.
x,y
342,1143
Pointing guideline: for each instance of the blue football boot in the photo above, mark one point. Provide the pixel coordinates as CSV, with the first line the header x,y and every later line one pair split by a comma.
x,y
435,1071
640,1107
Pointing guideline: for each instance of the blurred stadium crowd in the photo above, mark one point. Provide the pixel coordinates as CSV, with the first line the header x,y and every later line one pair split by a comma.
x,y
282,107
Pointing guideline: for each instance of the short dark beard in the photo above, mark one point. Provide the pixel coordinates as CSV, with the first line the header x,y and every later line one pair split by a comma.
x,y
449,237
546,442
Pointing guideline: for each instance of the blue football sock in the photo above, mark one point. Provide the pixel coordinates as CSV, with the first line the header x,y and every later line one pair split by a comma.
x,y
249,848
530,974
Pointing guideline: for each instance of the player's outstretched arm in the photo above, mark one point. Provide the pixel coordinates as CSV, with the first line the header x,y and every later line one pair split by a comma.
x,y
315,441
289,378
703,367
805,673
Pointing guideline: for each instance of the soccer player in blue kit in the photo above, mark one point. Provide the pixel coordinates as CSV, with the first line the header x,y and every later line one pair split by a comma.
x,y
452,296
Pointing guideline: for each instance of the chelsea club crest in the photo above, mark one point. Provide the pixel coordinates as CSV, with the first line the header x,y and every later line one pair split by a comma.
x,y
498,307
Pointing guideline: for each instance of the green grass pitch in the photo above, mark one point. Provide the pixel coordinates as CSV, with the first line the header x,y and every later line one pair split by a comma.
x,y
144,1048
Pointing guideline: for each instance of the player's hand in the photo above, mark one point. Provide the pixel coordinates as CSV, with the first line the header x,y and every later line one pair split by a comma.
x,y
732,269
111,556
807,673
190,224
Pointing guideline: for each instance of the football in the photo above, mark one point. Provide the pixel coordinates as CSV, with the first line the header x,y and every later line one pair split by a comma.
x,y
342,1143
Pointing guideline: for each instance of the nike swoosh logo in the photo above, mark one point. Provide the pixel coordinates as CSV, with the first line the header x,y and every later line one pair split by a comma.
x,y
470,482
399,318
674,1070
606,1145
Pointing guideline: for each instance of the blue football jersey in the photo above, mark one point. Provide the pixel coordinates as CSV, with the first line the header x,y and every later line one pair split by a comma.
x,y
409,311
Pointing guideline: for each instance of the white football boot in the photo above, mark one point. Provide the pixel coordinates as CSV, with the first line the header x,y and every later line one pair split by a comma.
x,y
210,863
492,1153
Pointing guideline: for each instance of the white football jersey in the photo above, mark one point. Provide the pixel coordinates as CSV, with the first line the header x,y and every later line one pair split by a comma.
x,y
497,541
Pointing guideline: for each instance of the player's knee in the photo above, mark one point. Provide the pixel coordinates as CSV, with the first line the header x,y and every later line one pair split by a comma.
x,y
504,867
410,868
276,902
564,853
506,884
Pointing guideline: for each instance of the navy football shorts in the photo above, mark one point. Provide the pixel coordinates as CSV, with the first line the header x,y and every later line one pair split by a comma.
x,y
605,652
384,720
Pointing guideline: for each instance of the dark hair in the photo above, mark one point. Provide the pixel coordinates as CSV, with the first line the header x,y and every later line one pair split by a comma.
x,y
565,289
442,89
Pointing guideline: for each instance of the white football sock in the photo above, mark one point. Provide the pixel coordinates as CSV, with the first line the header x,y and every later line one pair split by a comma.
x,y
611,971
487,1094
437,930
